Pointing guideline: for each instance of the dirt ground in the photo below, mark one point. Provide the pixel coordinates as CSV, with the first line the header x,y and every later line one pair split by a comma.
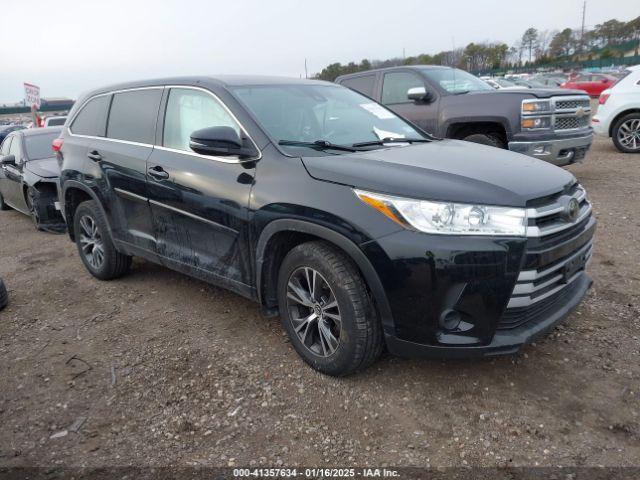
x,y
160,369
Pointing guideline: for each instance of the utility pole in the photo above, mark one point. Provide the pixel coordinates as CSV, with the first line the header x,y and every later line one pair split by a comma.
x,y
584,9
306,73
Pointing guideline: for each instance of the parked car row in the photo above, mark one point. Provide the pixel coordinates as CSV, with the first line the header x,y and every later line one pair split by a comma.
x,y
549,124
342,210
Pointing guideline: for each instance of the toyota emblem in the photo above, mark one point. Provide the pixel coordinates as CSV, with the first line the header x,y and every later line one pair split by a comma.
x,y
572,210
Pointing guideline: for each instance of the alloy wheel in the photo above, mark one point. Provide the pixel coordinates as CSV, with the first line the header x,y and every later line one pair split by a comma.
x,y
313,311
629,134
91,242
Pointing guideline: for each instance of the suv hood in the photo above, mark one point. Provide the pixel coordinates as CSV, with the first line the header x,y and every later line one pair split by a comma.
x,y
447,170
46,167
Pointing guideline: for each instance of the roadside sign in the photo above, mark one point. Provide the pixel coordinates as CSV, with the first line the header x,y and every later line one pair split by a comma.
x,y
32,94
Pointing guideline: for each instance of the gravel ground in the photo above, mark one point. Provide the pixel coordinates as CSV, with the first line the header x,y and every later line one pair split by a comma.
x,y
160,369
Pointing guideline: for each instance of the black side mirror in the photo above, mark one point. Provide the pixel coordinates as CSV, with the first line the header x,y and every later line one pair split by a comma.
x,y
8,160
419,94
221,141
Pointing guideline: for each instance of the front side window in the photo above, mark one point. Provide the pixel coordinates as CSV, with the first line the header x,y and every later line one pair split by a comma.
x,y
39,146
396,86
189,110
332,113
454,80
15,149
92,119
133,115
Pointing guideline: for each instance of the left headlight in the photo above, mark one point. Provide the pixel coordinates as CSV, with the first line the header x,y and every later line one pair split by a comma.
x,y
449,218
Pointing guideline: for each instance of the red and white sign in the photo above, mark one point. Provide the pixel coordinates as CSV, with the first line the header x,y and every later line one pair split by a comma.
x,y
32,94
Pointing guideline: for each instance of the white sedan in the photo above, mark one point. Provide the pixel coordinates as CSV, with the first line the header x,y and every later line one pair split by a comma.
x,y
618,113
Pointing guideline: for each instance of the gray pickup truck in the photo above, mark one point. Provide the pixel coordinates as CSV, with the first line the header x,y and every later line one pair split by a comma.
x,y
549,124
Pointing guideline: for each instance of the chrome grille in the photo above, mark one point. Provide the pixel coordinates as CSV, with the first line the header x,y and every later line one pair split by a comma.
x,y
569,123
552,217
573,104
559,247
534,286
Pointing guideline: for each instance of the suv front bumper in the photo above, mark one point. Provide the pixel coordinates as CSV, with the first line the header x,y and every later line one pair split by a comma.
x,y
557,151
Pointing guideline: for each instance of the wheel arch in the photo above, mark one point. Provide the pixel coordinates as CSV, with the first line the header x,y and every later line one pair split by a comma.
x,y
268,266
615,119
74,193
461,128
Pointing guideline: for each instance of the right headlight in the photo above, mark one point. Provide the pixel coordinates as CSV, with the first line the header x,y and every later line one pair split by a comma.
x,y
449,218
535,123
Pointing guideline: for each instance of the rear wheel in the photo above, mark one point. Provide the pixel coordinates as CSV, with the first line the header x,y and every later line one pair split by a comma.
x,y
95,245
326,310
626,133
491,139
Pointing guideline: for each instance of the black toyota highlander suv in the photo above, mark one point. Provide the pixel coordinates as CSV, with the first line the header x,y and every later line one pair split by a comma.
x,y
354,225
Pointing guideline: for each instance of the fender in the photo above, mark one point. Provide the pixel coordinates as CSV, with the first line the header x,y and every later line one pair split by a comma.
x,y
81,186
369,273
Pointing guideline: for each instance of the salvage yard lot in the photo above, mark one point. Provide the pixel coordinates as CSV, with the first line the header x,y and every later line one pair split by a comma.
x,y
168,370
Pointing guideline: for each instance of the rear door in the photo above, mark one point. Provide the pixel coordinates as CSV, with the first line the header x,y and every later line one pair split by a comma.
x,y
199,202
395,86
122,157
13,192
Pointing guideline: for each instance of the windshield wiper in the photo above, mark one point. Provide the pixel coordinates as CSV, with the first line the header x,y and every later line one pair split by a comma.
x,y
390,140
318,144
461,92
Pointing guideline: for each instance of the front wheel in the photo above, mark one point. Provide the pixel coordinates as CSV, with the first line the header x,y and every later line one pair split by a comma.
x,y
491,139
326,310
3,205
95,245
626,133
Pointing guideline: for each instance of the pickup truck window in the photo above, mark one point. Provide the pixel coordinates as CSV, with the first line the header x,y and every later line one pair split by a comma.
x,y
329,113
363,84
454,80
397,84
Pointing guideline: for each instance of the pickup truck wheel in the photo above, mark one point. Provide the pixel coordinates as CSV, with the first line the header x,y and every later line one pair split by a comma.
x,y
3,206
485,139
626,133
326,310
4,297
95,245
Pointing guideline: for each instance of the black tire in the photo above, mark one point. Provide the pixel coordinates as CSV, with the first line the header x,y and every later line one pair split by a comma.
x,y
3,206
113,264
360,340
4,296
633,120
490,139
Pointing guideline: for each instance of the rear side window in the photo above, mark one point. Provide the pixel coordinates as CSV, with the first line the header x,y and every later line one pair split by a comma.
x,y
396,86
133,115
54,122
91,120
363,84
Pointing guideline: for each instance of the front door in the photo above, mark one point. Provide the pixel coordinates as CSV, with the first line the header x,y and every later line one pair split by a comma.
x,y
199,203
395,86
12,190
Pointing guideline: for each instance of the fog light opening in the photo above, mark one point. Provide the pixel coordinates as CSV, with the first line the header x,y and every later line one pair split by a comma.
x,y
541,150
450,319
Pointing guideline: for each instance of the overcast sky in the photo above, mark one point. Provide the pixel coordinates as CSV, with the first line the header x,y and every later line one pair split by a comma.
x,y
68,46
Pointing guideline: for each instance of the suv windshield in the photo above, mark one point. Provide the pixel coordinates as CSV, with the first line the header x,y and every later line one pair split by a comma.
x,y
321,113
454,80
39,146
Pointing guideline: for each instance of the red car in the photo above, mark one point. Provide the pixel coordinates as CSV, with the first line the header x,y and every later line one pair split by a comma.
x,y
592,83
